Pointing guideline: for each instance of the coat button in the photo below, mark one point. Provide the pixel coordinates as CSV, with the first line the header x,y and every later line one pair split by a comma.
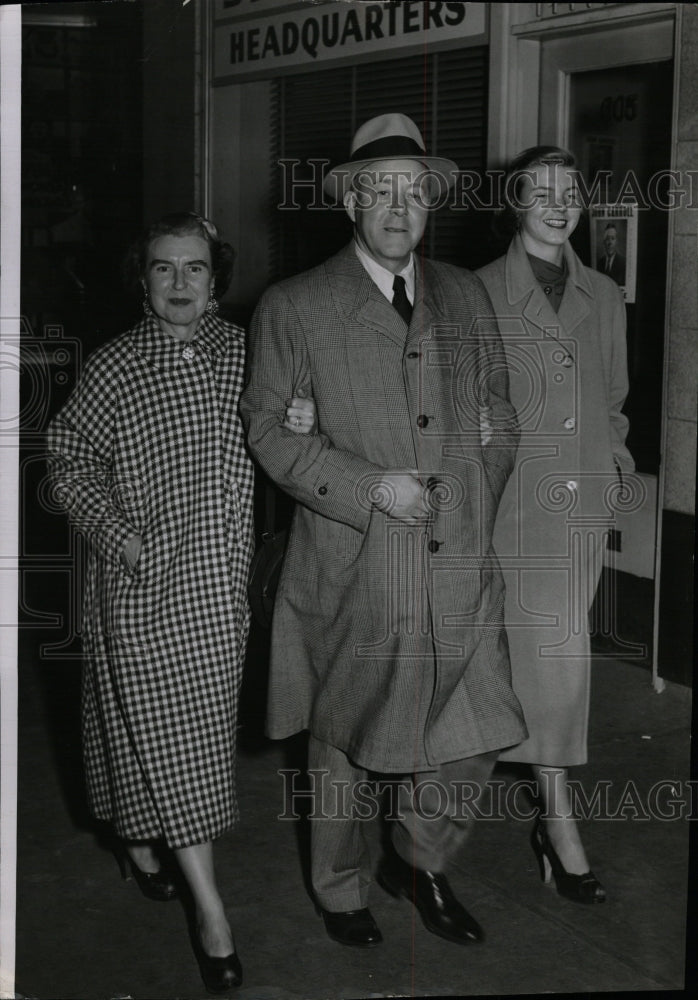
x,y
414,354
433,545
570,424
547,289
422,420
571,485
322,490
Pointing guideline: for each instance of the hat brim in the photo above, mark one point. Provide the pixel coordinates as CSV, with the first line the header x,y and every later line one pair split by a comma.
x,y
338,181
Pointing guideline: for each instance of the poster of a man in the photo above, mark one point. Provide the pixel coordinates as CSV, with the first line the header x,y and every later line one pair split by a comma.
x,y
612,261
614,244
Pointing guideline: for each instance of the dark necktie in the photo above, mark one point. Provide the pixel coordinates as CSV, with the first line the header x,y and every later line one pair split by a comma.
x,y
400,300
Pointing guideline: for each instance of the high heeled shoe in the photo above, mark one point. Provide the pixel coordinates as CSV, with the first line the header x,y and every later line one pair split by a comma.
x,y
218,974
159,885
584,888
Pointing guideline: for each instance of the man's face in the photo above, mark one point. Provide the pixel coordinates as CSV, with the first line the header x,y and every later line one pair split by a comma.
x,y
610,239
389,207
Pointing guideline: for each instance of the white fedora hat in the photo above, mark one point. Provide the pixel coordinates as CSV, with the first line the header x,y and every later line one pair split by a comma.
x,y
386,137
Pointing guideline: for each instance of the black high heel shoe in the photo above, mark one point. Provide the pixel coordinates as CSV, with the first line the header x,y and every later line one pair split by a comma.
x,y
218,974
584,888
159,885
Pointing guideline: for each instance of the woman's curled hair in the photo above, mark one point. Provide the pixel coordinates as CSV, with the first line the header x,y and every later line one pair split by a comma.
x,y
181,224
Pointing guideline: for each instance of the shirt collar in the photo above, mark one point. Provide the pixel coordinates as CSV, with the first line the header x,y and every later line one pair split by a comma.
x,y
384,278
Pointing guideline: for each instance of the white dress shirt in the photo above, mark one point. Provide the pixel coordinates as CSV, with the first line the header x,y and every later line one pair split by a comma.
x,y
382,277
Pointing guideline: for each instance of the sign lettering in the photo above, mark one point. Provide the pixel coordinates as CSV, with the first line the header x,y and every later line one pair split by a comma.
x,y
300,39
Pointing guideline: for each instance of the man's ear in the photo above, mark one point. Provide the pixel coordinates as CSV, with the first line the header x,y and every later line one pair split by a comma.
x,y
350,204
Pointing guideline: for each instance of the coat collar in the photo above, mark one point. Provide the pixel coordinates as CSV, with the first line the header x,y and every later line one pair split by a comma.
x,y
358,298
165,353
521,284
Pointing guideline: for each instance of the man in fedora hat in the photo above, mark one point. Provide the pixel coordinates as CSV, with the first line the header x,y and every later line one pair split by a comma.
x,y
387,640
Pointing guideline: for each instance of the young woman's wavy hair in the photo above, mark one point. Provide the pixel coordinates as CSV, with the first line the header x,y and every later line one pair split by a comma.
x,y
506,221
181,224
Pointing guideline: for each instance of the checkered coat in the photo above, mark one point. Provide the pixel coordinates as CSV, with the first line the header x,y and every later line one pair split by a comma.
x,y
151,442
387,639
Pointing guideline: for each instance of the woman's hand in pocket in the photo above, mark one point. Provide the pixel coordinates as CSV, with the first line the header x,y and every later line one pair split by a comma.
x,y
131,552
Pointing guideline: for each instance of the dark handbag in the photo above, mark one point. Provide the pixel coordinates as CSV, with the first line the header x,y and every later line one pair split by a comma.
x,y
265,568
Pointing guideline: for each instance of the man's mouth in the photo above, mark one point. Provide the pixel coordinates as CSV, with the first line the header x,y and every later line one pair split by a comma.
x,y
556,223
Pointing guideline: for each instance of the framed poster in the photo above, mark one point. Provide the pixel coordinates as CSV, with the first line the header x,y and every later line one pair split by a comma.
x,y
614,244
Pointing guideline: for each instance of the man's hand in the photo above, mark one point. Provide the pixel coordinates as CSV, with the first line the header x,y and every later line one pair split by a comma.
x,y
400,494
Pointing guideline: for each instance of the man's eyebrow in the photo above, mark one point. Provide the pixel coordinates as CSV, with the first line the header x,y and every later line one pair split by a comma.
x,y
157,260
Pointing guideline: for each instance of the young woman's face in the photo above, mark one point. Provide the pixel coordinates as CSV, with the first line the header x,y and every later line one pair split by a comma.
x,y
549,209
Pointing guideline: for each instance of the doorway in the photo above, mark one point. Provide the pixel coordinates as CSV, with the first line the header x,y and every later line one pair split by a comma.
x,y
608,96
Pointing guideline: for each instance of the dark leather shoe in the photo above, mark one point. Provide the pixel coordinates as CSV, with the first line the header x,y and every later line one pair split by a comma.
x,y
219,974
430,892
353,927
160,885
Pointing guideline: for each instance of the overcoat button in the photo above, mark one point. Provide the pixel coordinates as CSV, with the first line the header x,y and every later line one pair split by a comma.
x,y
570,424
422,420
433,545
413,354
322,490
571,485
547,289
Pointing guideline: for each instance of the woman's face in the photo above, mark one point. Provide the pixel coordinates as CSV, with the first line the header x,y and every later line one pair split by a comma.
x,y
179,281
549,209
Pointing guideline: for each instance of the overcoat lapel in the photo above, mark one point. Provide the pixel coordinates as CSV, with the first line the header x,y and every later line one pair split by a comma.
x,y
521,282
422,312
358,298
576,302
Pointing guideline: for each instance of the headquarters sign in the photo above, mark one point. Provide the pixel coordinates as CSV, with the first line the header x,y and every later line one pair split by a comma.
x,y
303,36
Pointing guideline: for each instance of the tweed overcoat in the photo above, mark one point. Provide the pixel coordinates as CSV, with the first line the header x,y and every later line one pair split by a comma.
x,y
568,378
151,442
387,639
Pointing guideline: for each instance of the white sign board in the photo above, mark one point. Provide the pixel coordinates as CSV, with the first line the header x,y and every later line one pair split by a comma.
x,y
298,39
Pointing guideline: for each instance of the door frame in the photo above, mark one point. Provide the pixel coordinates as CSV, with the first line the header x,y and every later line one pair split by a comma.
x,y
533,51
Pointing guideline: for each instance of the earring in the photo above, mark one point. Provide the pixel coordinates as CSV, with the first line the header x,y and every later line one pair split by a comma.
x,y
212,306
147,310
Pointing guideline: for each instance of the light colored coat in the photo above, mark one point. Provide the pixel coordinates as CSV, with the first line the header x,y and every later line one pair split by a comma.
x,y
568,379
364,599
151,442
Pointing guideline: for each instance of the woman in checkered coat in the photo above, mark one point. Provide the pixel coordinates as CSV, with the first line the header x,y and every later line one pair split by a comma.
x,y
148,458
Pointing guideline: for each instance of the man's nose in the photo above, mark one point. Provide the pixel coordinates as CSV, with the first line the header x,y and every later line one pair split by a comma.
x,y
399,204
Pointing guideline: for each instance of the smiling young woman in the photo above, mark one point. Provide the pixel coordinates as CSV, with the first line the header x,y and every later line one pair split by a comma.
x,y
564,340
